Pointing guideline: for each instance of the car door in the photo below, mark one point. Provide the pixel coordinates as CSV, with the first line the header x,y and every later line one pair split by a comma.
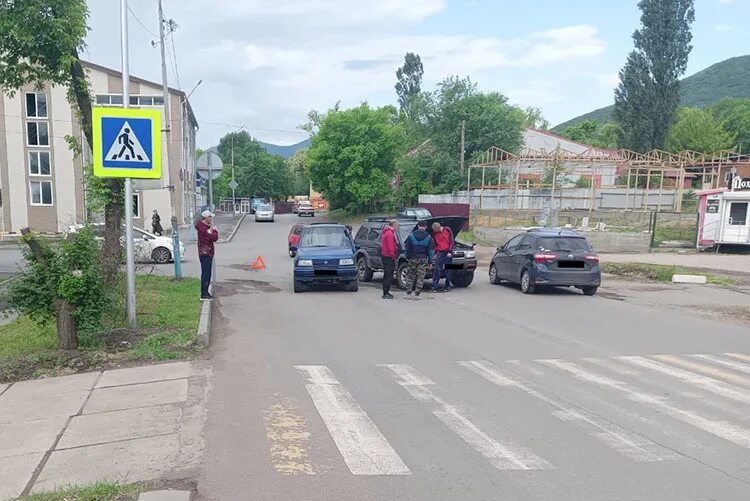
x,y
142,246
518,257
373,247
503,261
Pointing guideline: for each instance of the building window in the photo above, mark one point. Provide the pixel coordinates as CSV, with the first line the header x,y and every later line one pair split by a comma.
x,y
738,213
41,192
36,105
39,164
136,205
37,133
116,100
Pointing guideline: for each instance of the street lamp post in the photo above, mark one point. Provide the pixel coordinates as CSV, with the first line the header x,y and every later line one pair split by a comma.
x,y
233,184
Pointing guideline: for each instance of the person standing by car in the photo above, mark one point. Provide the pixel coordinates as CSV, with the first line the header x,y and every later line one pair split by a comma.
x,y
389,251
417,253
207,235
156,228
442,238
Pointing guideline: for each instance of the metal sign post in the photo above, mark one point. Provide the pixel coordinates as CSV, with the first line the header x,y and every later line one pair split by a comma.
x,y
129,251
209,166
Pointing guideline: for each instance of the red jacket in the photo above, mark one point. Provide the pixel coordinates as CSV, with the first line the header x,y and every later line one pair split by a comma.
x,y
388,244
443,240
206,239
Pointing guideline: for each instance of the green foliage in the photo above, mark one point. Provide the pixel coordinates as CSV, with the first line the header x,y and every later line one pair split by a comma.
x,y
429,171
533,118
300,183
409,83
698,130
257,173
102,491
734,115
353,155
74,273
583,132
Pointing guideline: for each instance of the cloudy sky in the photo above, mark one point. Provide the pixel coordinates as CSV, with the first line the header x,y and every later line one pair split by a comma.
x,y
265,63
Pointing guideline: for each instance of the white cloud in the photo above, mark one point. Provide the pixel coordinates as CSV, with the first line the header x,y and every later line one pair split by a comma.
x,y
724,28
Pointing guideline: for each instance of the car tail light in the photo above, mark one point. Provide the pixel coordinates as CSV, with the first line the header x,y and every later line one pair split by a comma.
x,y
543,258
592,257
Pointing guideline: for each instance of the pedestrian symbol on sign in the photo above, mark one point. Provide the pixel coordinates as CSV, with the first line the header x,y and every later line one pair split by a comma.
x,y
127,148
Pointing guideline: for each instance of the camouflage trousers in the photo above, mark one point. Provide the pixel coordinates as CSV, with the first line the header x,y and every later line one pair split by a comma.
x,y
415,272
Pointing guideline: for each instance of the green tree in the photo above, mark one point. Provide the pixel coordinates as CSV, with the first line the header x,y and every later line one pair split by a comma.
x,y
698,130
533,118
409,84
583,132
258,174
647,98
734,115
353,155
296,166
40,42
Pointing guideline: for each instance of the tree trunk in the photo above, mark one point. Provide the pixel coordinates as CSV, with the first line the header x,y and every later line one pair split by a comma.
x,y
112,251
66,325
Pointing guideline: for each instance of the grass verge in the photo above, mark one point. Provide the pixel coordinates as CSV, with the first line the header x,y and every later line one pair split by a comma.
x,y
662,273
168,315
98,492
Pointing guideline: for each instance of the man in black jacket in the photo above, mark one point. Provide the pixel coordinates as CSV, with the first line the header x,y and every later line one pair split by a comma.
x,y
418,246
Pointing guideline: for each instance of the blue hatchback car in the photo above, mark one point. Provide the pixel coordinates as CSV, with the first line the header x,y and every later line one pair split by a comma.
x,y
325,255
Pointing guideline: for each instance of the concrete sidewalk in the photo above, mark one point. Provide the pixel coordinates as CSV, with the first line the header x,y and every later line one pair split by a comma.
x,y
125,425
731,263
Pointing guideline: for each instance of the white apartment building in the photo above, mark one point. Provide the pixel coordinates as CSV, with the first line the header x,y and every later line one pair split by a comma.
x,y
42,185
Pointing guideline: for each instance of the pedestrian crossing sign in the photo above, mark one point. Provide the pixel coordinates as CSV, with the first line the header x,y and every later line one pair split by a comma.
x,y
127,143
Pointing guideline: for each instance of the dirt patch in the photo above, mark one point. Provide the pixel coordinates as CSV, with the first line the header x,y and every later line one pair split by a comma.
x,y
240,286
733,314
611,295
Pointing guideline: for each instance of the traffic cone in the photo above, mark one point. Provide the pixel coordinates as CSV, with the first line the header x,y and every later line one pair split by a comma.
x,y
259,264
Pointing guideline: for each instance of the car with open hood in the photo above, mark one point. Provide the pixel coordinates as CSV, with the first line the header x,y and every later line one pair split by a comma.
x,y
325,255
370,259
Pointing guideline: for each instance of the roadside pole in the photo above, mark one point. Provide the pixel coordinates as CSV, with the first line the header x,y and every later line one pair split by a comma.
x,y
129,251
211,208
168,133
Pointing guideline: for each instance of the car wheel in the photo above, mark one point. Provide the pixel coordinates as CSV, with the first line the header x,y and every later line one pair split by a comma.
x,y
353,286
527,286
299,286
363,272
403,275
462,279
161,255
494,278
589,290
292,253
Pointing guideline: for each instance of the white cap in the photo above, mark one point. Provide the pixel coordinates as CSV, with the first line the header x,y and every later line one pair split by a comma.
x,y
206,213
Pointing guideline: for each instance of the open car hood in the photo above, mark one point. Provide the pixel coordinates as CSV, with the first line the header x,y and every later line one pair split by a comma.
x,y
455,223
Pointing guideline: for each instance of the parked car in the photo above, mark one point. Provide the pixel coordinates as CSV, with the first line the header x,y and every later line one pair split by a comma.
x,y
370,259
293,239
325,254
147,246
414,212
255,202
554,257
305,208
264,212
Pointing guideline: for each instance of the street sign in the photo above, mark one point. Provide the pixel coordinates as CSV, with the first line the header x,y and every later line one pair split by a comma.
x,y
127,143
209,165
233,184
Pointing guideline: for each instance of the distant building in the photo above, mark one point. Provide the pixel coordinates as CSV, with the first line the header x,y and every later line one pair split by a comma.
x,y
42,183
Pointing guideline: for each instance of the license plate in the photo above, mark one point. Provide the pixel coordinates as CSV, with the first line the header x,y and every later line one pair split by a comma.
x,y
571,264
325,272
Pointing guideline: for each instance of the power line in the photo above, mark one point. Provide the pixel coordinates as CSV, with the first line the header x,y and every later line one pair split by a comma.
x,y
142,25
253,129
174,60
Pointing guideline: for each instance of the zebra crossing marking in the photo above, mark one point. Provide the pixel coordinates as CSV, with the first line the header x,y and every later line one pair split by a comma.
x,y
696,366
365,450
726,363
739,356
626,442
728,431
503,456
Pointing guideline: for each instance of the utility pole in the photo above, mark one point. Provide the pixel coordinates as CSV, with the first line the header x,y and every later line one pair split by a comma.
x,y
463,146
234,198
129,244
168,133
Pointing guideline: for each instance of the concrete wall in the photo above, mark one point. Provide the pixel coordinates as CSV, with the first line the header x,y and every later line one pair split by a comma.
x,y
601,241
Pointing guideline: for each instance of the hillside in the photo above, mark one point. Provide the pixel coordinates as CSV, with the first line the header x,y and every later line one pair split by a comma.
x,y
728,78
285,151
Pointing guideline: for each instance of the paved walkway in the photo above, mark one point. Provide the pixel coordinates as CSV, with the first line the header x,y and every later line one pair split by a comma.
x,y
125,425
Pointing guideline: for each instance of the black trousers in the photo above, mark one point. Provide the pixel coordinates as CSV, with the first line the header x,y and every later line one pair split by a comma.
x,y
389,264
206,263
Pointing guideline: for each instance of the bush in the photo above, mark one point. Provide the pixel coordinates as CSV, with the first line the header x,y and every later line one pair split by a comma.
x,y
69,271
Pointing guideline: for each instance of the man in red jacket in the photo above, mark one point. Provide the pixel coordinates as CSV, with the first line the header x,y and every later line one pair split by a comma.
x,y
442,238
207,235
389,251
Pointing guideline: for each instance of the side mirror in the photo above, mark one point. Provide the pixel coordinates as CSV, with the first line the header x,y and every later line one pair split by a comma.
x,y
501,248
473,244
348,227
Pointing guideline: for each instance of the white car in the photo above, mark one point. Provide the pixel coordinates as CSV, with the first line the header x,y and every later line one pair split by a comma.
x,y
149,248
264,213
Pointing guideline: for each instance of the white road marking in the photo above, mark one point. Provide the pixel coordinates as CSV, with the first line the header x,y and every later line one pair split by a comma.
x,y
365,450
704,382
739,356
503,456
606,363
695,366
738,366
530,369
624,441
728,431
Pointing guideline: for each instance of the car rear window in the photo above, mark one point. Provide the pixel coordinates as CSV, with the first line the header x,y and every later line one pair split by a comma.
x,y
564,244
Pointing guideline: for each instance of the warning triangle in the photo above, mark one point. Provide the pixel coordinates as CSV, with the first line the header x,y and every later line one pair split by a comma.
x,y
259,264
127,147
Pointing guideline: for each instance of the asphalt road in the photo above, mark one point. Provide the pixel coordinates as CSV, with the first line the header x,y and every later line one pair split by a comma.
x,y
481,393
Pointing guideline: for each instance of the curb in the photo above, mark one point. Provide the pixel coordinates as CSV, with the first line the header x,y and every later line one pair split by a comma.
x,y
166,496
234,231
204,325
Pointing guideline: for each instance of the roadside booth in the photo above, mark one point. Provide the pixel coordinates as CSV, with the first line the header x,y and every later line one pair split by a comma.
x,y
724,215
